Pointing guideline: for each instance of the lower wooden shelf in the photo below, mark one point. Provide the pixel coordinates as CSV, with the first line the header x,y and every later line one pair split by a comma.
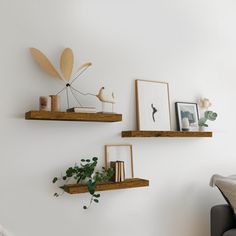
x,y
128,183
73,116
170,134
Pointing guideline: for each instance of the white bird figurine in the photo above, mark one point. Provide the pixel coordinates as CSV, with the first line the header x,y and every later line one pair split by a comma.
x,y
104,98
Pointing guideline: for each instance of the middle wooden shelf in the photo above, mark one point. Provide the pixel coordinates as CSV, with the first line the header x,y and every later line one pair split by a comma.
x,y
168,134
128,183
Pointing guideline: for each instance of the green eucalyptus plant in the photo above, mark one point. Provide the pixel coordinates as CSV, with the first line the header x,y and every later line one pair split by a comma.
x,y
208,115
85,172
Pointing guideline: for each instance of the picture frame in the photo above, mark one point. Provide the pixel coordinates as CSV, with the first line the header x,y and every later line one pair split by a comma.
x,y
120,152
189,111
152,105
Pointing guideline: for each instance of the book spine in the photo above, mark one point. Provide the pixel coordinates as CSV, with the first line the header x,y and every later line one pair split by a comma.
x,y
113,166
81,110
122,170
119,171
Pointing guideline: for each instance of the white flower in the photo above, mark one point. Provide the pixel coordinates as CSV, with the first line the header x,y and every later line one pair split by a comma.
x,y
204,103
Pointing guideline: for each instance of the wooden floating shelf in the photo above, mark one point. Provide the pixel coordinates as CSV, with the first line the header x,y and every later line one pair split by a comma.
x,y
73,116
169,134
129,183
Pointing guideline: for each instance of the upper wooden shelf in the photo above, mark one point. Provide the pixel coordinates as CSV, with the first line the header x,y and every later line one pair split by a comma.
x,y
73,116
128,183
171,134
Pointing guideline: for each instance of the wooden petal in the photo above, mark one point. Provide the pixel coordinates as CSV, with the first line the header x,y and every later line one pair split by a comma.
x,y
85,65
45,64
67,62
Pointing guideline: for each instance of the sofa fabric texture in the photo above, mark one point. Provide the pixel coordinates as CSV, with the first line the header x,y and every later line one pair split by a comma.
x,y
223,222
231,232
227,186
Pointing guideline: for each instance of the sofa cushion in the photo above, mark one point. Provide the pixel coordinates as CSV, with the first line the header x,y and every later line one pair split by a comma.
x,y
227,186
231,232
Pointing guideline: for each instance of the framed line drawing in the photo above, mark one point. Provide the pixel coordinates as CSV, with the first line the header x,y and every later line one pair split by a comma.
x,y
189,111
120,152
152,105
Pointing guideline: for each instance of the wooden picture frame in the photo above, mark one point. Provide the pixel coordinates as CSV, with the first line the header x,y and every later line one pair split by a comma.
x,y
152,105
128,162
187,110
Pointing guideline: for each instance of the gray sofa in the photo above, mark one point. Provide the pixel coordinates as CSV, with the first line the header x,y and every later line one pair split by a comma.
x,y
223,221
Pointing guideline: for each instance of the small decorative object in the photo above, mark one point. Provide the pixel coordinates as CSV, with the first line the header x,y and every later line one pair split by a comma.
x,y
185,124
43,103
66,67
120,153
187,111
55,103
86,173
204,103
153,106
105,98
82,109
65,74
208,115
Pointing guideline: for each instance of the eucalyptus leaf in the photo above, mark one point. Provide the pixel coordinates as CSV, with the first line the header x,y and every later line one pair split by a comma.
x,y
54,180
64,177
208,115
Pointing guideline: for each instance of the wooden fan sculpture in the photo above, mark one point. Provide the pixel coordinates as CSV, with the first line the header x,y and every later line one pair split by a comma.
x,y
66,66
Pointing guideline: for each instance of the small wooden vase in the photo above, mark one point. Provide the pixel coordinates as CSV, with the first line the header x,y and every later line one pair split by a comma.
x,y
55,103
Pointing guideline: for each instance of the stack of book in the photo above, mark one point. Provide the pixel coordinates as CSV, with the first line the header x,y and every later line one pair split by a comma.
x,y
119,171
82,109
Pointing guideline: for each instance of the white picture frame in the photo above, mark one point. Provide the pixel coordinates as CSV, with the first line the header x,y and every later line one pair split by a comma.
x,y
153,105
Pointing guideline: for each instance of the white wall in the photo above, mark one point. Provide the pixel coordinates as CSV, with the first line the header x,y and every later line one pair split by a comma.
x,y
188,43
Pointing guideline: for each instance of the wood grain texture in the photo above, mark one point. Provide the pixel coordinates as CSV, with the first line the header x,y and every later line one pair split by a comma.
x,y
129,183
66,63
170,134
72,116
44,62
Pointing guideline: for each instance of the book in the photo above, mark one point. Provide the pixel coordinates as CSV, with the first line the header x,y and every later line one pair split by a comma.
x,y
82,109
122,171
115,166
119,171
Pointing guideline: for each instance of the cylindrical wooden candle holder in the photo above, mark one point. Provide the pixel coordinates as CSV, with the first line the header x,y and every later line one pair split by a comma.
x,y
55,103
43,103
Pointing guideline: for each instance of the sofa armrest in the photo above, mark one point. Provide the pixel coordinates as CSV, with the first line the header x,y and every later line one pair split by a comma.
x,y
222,219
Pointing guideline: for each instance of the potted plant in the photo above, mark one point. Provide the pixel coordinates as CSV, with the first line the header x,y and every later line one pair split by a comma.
x,y
208,115
86,173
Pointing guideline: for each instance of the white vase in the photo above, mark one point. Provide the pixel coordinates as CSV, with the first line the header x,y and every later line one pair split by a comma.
x,y
185,124
202,128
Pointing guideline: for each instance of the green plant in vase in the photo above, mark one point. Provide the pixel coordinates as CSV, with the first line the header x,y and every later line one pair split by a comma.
x,y
86,173
208,115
